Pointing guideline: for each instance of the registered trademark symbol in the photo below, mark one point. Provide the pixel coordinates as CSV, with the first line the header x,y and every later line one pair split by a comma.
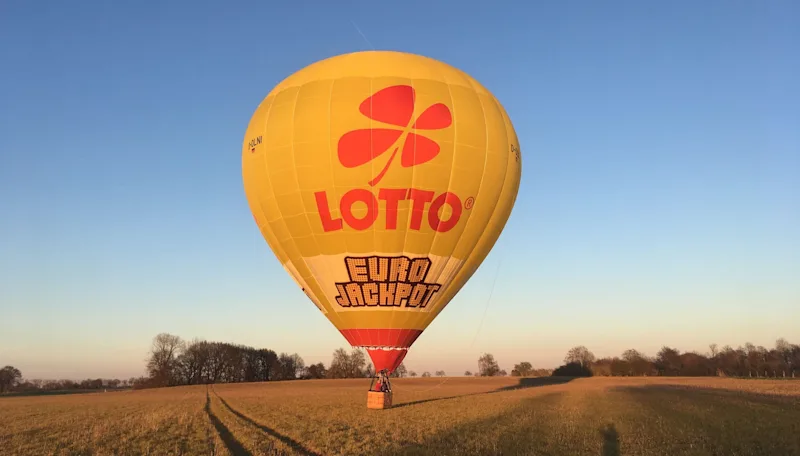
x,y
469,203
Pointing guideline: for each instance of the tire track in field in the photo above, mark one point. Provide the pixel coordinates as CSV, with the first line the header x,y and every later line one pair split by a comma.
x,y
234,446
209,437
290,442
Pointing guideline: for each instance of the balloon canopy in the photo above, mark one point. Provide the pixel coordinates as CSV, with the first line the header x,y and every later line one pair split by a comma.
x,y
380,180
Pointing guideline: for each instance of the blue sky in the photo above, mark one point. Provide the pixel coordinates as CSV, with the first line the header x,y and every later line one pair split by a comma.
x,y
659,204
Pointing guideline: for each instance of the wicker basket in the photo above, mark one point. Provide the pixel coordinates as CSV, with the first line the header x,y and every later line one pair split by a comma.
x,y
379,400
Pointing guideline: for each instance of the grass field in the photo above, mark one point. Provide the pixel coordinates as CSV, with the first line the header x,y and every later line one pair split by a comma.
x,y
458,416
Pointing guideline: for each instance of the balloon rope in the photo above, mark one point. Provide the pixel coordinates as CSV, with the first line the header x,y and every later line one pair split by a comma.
x,y
477,331
488,301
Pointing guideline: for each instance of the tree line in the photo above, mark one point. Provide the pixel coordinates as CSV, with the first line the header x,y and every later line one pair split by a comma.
x,y
11,380
783,360
750,361
173,361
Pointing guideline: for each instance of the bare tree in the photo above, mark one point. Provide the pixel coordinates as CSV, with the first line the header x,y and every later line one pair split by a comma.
x,y
426,374
580,355
290,366
440,373
193,362
783,353
668,361
522,369
161,365
316,371
339,364
487,366
9,377
267,364
637,363
400,372
352,365
358,364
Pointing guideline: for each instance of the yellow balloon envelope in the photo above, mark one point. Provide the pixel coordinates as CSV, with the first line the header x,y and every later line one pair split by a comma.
x,y
380,180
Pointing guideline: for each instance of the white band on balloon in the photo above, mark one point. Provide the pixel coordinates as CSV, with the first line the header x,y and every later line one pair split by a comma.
x,y
370,347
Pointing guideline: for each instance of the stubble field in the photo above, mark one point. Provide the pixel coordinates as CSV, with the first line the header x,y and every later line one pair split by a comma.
x,y
456,416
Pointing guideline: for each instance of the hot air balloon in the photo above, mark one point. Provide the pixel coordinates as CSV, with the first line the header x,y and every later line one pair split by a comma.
x,y
380,180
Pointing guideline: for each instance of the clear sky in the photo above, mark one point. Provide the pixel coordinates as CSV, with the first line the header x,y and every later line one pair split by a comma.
x,y
659,204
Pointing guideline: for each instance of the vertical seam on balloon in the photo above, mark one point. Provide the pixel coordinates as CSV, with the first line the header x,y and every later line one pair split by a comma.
x,y
323,257
305,211
480,183
394,312
505,181
347,248
267,224
258,198
508,128
333,180
505,186
406,253
277,206
282,219
372,173
373,202
408,316
500,193
449,182
508,125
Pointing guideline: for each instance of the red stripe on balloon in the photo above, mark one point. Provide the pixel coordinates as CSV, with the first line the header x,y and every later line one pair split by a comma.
x,y
386,359
400,338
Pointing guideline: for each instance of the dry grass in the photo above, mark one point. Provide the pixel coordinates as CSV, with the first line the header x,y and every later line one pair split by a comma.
x,y
460,416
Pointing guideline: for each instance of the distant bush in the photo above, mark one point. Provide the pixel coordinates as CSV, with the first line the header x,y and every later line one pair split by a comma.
x,y
572,370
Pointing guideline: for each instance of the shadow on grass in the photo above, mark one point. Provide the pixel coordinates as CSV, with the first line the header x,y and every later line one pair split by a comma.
x,y
233,445
293,444
516,430
535,382
610,440
718,421
763,397
524,383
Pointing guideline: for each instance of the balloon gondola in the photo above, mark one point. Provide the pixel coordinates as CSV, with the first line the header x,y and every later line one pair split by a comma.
x,y
380,180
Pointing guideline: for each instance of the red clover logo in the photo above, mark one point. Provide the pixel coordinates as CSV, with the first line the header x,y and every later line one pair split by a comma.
x,y
393,105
